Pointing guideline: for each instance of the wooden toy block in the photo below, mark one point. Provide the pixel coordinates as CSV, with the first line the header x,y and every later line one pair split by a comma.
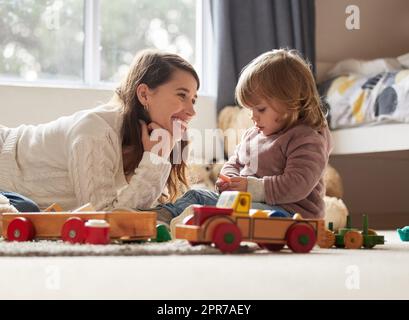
x,y
55,207
56,225
228,230
84,208
240,201
277,213
96,232
202,213
255,213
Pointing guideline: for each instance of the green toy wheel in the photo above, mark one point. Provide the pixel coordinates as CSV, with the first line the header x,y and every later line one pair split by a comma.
x,y
162,233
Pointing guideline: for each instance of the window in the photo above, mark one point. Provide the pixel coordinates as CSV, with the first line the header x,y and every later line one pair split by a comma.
x,y
163,24
90,41
41,39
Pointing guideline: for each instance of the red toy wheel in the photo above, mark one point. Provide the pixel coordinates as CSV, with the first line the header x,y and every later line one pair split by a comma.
x,y
20,229
73,230
227,237
271,246
301,238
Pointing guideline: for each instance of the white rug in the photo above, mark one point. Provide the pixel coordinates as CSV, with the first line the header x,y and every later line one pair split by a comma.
x,y
46,248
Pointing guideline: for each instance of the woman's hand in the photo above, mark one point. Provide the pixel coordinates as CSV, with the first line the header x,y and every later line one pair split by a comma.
x,y
156,139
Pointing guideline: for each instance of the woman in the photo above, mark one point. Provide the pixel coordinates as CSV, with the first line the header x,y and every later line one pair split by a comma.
x,y
107,156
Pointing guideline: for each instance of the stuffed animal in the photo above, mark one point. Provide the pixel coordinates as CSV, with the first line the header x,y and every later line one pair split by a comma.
x,y
333,183
233,121
335,212
199,176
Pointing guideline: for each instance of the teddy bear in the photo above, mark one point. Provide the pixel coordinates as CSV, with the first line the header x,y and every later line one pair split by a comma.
x,y
233,121
199,176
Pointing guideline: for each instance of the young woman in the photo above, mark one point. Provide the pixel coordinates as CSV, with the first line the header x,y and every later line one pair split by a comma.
x,y
106,156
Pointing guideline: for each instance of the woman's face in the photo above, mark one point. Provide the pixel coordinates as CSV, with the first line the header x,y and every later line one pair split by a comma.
x,y
171,104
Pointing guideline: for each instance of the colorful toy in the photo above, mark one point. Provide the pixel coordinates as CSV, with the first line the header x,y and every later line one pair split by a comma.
x,y
96,232
55,207
351,238
162,234
231,221
80,227
404,233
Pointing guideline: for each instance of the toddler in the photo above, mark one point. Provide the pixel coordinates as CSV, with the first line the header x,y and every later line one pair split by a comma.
x,y
281,159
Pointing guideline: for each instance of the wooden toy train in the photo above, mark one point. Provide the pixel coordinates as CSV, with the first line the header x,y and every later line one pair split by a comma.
x,y
352,238
231,221
83,226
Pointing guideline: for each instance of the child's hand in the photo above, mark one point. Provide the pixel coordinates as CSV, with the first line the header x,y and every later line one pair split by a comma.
x,y
238,184
221,185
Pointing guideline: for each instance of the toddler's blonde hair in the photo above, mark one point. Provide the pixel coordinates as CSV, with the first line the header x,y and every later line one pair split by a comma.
x,y
283,75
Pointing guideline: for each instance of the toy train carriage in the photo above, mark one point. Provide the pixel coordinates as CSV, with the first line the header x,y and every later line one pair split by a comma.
x,y
69,226
227,227
352,238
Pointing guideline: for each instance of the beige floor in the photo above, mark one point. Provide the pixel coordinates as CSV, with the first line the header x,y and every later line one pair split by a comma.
x,y
381,273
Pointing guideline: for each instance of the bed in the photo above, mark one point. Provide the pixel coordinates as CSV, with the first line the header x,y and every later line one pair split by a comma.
x,y
369,117
368,105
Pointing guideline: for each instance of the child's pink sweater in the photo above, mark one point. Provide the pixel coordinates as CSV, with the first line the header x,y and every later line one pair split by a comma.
x,y
284,169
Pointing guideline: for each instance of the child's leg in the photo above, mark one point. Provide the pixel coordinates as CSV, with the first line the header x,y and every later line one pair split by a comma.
x,y
280,212
194,196
20,202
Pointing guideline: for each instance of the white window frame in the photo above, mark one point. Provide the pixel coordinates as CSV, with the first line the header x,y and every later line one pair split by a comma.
x,y
204,47
92,57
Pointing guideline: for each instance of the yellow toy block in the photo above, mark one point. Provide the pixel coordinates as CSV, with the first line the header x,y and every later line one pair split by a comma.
x,y
255,213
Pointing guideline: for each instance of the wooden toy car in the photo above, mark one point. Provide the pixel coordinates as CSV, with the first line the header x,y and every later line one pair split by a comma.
x,y
351,238
231,221
70,226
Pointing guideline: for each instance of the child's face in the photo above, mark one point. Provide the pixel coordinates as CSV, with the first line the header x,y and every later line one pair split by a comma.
x,y
265,118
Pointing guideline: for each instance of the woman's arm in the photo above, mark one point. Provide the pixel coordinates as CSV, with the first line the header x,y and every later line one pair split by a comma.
x,y
93,164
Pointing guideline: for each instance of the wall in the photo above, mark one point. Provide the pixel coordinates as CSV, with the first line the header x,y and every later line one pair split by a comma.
x,y
34,105
376,183
384,31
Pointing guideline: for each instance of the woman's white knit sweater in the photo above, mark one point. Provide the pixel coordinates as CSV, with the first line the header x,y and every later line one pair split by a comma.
x,y
78,159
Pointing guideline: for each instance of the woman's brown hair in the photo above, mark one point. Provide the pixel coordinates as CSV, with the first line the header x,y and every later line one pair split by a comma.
x,y
153,68
284,75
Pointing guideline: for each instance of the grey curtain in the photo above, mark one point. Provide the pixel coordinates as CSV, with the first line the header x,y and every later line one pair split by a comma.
x,y
243,29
